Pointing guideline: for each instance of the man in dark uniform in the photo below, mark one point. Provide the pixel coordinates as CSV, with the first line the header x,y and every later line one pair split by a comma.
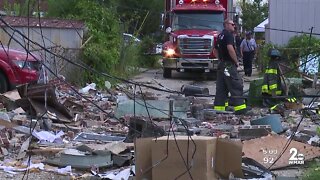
x,y
228,79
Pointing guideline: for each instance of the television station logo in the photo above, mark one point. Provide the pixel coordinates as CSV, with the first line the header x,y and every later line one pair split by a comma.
x,y
296,157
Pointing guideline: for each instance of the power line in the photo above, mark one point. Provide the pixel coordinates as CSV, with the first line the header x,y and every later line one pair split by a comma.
x,y
188,169
173,132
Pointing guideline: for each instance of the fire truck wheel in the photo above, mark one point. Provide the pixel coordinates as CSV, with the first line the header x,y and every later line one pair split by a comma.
x,y
3,83
166,73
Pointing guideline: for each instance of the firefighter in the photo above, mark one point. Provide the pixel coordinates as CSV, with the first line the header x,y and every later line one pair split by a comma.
x,y
228,79
272,85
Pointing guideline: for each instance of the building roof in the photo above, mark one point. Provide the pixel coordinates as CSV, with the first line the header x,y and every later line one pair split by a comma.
x,y
16,21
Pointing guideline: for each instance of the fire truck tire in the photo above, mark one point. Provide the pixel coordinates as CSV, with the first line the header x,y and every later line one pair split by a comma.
x,y
3,83
166,73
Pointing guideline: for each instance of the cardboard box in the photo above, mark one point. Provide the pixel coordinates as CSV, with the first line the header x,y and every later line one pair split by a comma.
x,y
143,157
206,157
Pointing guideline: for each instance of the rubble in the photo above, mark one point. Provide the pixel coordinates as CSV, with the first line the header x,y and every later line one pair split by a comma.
x,y
80,160
72,136
274,120
270,148
254,131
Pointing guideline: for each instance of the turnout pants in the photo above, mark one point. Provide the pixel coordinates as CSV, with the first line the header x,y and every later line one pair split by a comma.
x,y
229,81
247,62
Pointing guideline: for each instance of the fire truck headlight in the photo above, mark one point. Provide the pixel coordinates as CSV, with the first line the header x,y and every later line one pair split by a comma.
x,y
169,52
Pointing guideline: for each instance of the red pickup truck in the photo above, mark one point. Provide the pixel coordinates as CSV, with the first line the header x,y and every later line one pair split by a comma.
x,y
17,67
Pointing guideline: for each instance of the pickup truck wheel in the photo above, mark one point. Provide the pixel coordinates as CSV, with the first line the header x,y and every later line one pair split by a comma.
x,y
166,73
3,84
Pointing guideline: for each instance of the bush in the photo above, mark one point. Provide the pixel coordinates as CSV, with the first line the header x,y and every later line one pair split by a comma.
x,y
313,172
263,58
145,59
299,48
305,48
128,64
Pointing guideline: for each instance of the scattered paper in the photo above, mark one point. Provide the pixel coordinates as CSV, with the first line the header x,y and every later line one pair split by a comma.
x,y
123,175
89,87
48,136
314,139
66,170
117,174
13,170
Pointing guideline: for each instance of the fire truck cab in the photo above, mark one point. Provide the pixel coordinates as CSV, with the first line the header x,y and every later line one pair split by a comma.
x,y
192,27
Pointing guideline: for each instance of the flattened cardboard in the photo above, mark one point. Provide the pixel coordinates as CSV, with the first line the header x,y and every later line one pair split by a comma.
x,y
213,158
143,157
201,165
266,150
228,158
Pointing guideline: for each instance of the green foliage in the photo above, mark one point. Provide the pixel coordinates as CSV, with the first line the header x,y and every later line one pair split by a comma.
x,y
253,13
263,58
288,57
141,17
21,9
297,49
146,47
61,8
313,172
102,51
105,22
305,44
301,47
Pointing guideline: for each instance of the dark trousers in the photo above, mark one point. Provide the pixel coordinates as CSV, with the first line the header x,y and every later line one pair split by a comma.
x,y
225,84
247,62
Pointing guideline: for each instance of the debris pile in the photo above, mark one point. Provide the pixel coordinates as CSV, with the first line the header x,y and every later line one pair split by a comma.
x,y
109,135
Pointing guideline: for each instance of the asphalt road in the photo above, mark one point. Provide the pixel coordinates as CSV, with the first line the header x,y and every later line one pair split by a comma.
x,y
154,78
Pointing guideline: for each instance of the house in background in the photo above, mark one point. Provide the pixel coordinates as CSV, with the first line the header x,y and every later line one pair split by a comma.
x,y
62,37
288,17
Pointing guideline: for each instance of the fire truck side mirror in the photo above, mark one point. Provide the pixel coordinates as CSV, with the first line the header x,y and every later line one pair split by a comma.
x,y
168,30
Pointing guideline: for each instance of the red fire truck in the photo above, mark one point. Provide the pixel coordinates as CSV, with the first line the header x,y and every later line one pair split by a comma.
x,y
192,27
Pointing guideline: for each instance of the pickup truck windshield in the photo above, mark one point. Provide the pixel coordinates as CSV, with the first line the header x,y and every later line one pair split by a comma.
x,y
202,21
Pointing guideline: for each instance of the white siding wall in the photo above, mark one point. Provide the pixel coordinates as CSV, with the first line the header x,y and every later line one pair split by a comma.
x,y
67,40
292,15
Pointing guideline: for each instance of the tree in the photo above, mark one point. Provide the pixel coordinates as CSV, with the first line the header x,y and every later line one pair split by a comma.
x,y
102,21
140,17
61,8
253,13
20,8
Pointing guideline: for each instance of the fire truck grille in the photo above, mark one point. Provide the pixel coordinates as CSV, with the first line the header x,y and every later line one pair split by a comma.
x,y
195,46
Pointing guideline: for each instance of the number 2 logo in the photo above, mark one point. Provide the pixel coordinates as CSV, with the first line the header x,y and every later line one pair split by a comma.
x,y
295,156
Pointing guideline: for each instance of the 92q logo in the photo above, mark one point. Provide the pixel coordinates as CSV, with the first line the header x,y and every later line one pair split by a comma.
x,y
295,157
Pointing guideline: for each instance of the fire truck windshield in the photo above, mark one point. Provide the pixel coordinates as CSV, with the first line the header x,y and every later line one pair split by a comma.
x,y
202,21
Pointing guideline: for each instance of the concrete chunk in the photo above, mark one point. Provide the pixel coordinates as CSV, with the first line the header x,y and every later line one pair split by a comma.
x,y
274,120
254,131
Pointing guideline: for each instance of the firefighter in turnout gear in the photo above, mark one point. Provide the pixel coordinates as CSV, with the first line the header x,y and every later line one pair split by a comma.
x,y
272,85
228,79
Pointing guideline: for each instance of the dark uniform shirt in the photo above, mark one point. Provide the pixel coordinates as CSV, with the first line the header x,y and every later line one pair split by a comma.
x,y
224,38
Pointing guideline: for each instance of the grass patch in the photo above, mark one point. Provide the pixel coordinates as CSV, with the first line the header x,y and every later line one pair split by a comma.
x,y
313,172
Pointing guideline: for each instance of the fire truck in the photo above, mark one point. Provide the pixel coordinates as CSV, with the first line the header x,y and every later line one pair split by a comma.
x,y
192,27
